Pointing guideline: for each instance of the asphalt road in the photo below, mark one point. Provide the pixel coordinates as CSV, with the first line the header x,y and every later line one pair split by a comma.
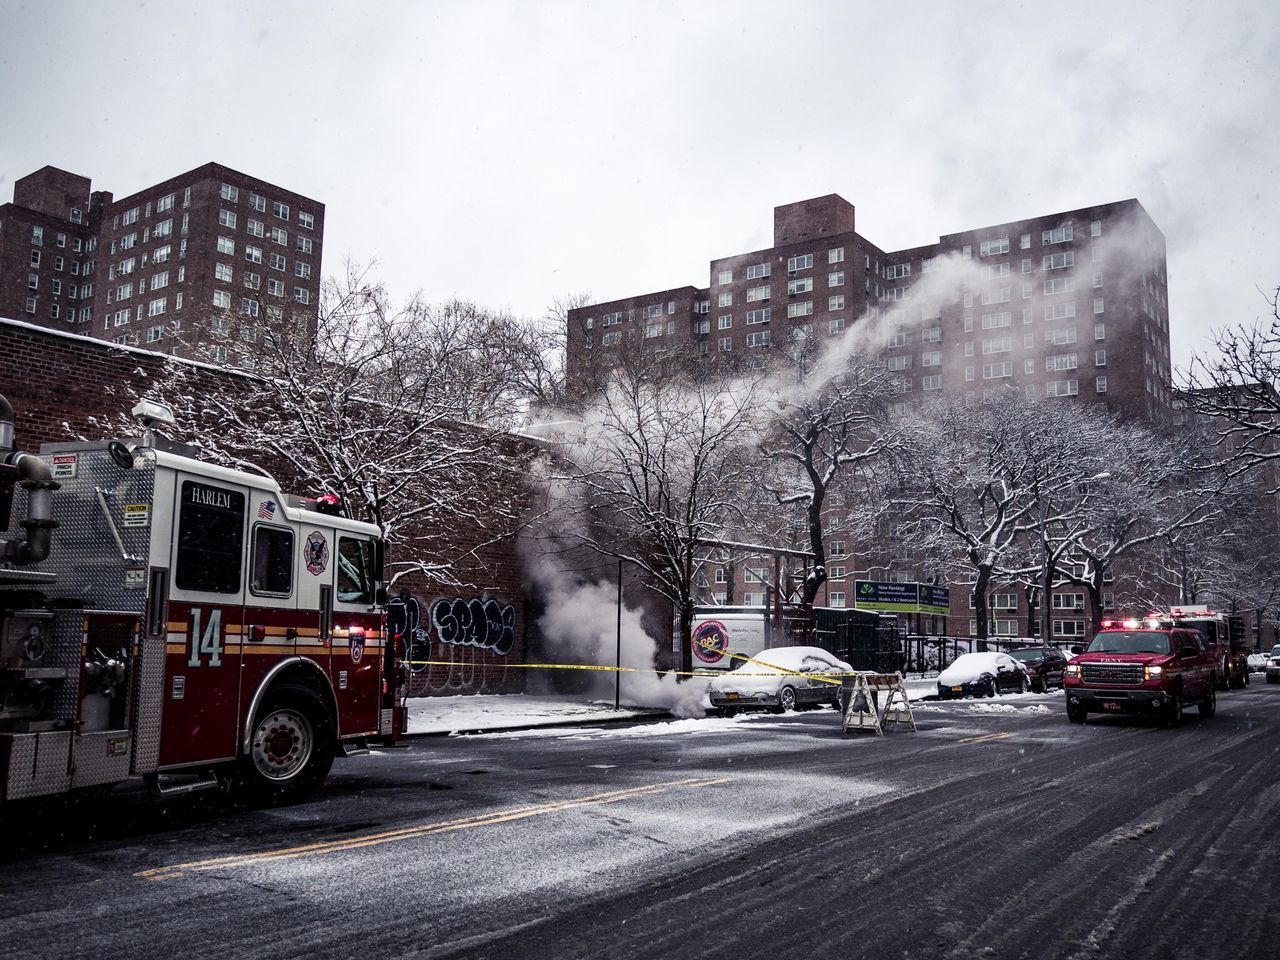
x,y
998,829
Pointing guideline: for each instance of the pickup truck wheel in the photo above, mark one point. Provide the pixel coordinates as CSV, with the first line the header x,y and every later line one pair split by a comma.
x,y
1173,712
1209,705
1076,714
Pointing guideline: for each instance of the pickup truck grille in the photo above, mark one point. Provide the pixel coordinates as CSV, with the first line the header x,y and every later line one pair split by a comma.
x,y
1130,673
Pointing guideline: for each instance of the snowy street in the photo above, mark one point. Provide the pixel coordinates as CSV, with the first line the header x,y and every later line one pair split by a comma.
x,y
998,824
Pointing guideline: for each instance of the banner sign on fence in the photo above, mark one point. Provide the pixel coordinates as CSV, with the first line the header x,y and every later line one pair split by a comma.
x,y
901,597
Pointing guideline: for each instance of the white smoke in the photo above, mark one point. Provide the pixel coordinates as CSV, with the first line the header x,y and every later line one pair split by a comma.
x,y
581,624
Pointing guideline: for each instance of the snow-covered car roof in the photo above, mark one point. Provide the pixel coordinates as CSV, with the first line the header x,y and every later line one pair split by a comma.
x,y
970,666
758,672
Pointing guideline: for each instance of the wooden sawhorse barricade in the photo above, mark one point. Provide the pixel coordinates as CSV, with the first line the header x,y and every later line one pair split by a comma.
x,y
860,707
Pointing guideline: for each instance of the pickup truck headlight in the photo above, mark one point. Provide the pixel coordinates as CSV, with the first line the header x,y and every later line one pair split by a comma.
x,y
1073,670
1152,672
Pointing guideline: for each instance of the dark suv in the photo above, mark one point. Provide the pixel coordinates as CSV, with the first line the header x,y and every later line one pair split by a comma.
x,y
1142,667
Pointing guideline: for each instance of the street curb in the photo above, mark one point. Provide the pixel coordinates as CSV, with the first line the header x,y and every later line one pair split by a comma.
x,y
646,717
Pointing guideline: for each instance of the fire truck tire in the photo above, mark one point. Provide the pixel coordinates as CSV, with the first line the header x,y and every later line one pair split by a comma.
x,y
1173,712
1209,705
1077,714
291,746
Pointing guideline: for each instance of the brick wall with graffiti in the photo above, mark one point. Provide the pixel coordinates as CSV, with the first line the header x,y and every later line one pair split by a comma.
x,y
458,641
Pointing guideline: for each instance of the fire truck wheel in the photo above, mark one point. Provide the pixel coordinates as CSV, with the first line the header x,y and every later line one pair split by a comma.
x,y
1173,713
1209,705
291,749
1077,714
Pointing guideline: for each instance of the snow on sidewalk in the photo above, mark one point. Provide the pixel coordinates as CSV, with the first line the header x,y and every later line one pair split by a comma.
x,y
502,712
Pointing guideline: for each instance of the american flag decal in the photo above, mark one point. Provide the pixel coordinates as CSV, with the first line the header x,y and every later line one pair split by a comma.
x,y
267,510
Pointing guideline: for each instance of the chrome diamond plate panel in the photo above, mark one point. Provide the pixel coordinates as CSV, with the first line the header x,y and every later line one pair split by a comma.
x,y
38,765
101,757
149,703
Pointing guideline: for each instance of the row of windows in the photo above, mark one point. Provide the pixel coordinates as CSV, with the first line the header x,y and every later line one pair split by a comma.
x,y
78,244
231,194
249,305
84,315
156,307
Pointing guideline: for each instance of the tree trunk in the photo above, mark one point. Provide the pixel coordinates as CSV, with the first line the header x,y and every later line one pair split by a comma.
x,y
813,583
1094,588
980,602
1029,592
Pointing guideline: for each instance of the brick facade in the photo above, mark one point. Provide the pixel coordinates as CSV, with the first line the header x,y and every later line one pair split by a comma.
x,y
57,381
207,258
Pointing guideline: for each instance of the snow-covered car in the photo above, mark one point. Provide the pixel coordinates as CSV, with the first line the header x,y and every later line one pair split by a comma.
x,y
779,678
1273,665
1257,662
982,675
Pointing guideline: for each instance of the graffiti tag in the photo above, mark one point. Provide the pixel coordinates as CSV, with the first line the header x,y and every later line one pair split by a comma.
x,y
487,624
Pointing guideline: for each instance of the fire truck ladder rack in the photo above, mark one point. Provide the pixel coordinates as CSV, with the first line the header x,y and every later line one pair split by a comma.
x,y
859,702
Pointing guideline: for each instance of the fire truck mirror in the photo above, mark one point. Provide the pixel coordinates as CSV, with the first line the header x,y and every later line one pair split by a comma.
x,y
121,454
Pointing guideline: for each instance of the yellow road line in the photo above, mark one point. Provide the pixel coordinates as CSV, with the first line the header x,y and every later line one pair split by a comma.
x,y
422,829
985,738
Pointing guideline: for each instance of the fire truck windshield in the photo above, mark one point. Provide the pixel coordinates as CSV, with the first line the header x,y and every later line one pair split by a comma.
x,y
1131,641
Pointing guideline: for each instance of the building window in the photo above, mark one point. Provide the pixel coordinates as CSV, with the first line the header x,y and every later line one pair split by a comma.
x,y
1100,358
1058,235
997,345
1062,388
611,338
252,280
280,210
931,382
257,203
724,277
307,245
803,285
275,287
1095,228
35,258
1097,280
835,303
155,333
991,248
902,362
968,373
1060,311
1099,331
836,255
278,262
256,227
803,262
222,299
835,279
160,280
836,598
897,270
725,344
836,325
252,254
996,371
301,295
1100,384
280,236
758,293
760,339
725,299
302,270
222,272
1097,306
1060,336
227,246
157,306
758,271
1060,285
1060,261
758,316
306,220
229,193
801,309
996,321
931,358
725,322
76,215
1059,362
33,281
227,218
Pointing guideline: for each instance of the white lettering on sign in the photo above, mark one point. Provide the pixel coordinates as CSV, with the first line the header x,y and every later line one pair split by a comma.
x,y
210,497
208,643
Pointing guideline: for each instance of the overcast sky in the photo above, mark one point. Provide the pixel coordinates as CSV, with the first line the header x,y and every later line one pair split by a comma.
x,y
513,153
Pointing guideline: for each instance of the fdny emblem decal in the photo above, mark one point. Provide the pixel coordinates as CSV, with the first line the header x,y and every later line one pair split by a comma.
x,y
317,553
357,647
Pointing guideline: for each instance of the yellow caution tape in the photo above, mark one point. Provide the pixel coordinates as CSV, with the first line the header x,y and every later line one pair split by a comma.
x,y
832,678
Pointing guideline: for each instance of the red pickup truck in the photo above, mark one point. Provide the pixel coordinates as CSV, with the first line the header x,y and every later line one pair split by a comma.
x,y
1144,667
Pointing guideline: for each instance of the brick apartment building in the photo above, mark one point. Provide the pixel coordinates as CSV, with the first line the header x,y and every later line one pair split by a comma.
x,y
211,256
1071,304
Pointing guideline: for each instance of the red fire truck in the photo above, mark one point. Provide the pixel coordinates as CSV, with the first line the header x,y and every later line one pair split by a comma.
x,y
170,619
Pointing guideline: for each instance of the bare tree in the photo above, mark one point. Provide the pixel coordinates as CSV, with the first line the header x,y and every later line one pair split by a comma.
x,y
658,465
825,423
389,409
1237,390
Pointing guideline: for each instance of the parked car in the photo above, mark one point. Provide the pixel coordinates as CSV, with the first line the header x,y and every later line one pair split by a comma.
x,y
982,675
779,678
1273,665
1257,662
1043,665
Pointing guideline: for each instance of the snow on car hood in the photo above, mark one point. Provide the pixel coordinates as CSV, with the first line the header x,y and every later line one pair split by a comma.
x,y
970,666
760,674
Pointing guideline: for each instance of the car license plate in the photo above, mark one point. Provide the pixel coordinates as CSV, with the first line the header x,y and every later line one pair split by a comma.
x,y
1110,705
731,696
957,689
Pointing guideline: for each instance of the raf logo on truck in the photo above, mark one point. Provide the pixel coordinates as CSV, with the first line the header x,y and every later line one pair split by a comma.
x,y
710,641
